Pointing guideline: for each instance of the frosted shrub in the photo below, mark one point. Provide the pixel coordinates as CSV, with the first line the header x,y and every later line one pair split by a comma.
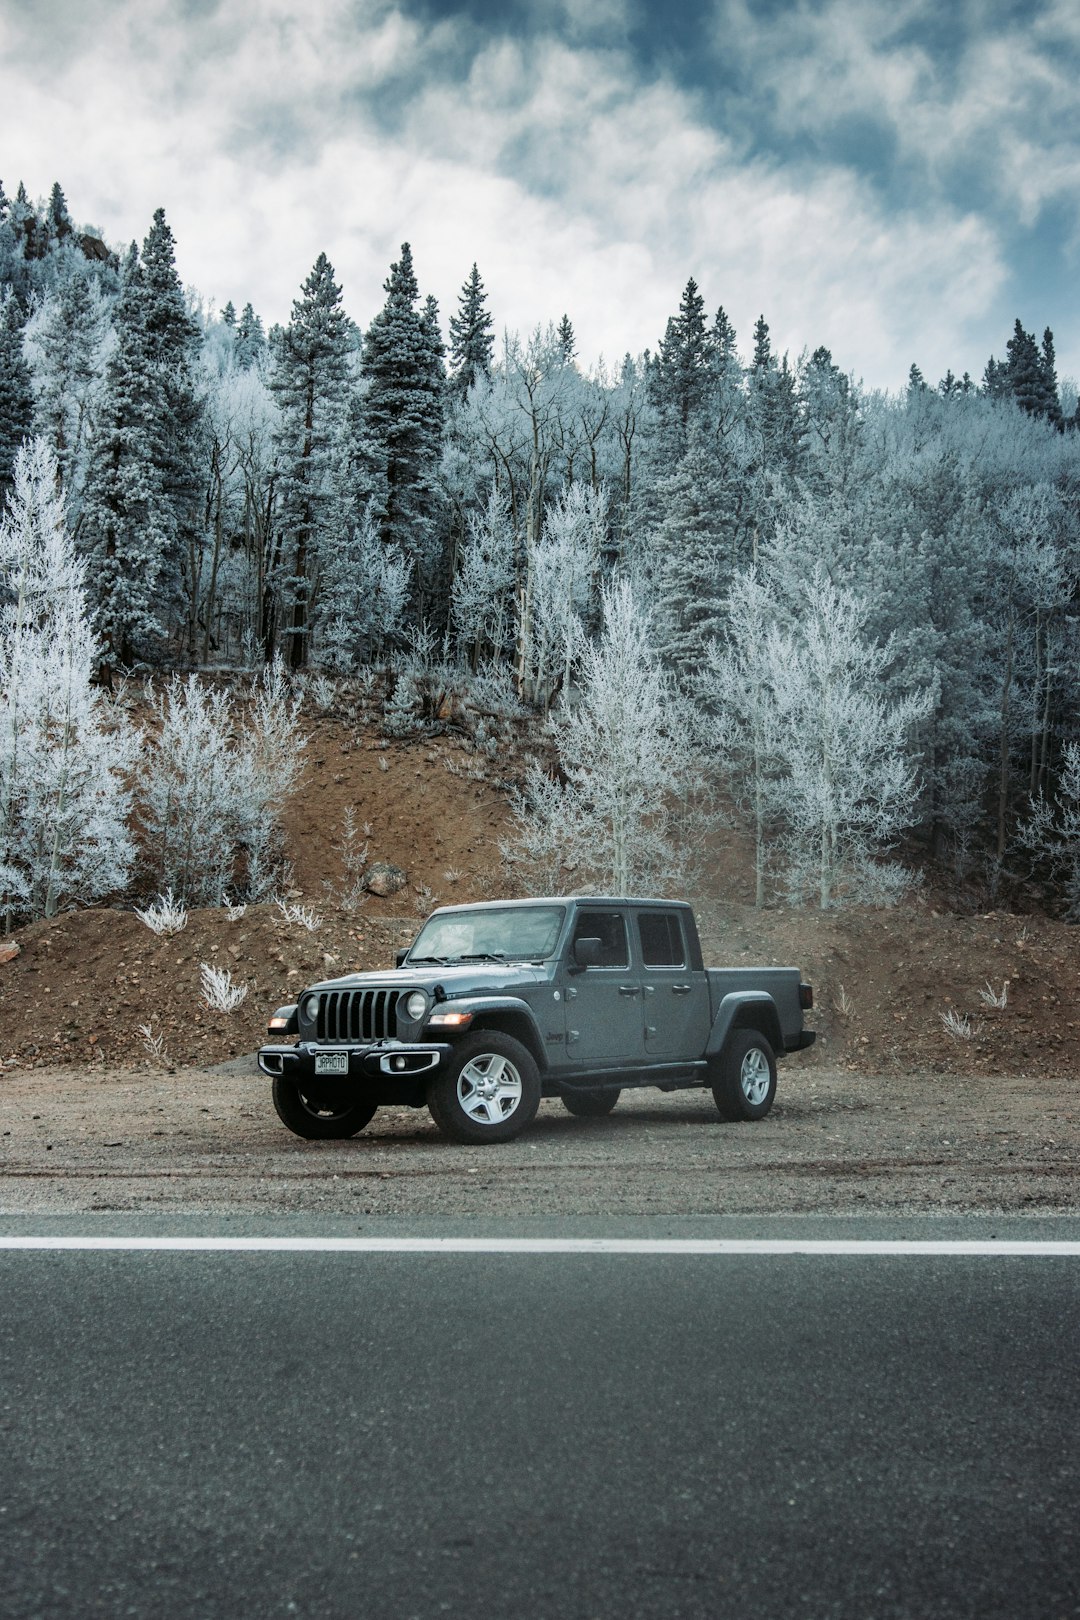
x,y
299,916
213,785
218,990
165,915
64,750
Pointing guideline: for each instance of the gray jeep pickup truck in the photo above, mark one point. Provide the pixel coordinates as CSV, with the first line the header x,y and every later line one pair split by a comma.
x,y
498,1004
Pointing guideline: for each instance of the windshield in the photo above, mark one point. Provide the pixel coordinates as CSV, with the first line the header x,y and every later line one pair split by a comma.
x,y
529,932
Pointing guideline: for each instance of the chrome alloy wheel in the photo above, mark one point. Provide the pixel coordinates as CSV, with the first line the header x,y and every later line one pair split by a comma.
x,y
754,1076
489,1088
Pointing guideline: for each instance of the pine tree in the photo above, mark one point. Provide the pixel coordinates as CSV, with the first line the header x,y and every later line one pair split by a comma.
x,y
681,373
228,315
310,380
403,416
567,341
58,226
16,394
1024,372
471,337
693,556
250,339
125,533
141,516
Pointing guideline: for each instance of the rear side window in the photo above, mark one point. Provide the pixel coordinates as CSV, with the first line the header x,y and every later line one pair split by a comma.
x,y
610,929
661,939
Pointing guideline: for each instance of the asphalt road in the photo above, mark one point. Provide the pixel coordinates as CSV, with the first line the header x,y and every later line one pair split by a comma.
x,y
193,1434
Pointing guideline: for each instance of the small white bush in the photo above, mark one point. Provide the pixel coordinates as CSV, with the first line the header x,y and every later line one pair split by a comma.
x,y
993,998
218,990
300,916
165,916
957,1024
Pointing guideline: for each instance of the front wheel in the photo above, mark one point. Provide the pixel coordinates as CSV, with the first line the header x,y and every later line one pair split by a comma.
x,y
320,1113
746,1082
489,1092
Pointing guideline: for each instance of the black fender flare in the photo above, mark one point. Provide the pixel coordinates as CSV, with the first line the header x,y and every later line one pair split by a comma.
x,y
745,1009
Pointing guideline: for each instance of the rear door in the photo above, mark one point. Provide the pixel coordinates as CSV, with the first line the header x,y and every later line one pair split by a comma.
x,y
675,1000
604,1022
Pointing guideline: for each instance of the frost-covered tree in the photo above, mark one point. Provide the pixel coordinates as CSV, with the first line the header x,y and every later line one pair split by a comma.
x,y
481,594
64,754
363,597
66,341
848,780
472,342
1052,831
565,579
624,756
736,687
213,784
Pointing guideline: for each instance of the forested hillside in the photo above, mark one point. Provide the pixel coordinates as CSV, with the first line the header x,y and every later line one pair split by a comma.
x,y
733,587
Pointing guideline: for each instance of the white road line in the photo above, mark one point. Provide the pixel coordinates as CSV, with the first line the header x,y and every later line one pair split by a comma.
x,y
991,1247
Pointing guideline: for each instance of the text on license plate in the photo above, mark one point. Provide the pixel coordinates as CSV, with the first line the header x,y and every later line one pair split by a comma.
x,y
331,1063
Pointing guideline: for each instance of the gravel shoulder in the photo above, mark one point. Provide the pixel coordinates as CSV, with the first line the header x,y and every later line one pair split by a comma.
x,y
207,1141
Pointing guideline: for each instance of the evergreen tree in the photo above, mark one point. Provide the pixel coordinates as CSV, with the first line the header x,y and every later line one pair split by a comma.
x,y
1024,372
250,339
58,226
682,370
4,202
1048,369
693,555
125,534
403,416
471,337
228,315
310,378
16,394
567,342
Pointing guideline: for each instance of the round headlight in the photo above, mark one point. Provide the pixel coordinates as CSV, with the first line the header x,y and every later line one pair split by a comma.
x,y
416,1005
311,1009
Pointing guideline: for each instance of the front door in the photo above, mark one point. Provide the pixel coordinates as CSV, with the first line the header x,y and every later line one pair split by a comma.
x,y
604,1022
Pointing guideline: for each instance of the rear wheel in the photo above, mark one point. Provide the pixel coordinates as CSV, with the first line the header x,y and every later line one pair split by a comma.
x,y
489,1092
746,1080
320,1113
591,1104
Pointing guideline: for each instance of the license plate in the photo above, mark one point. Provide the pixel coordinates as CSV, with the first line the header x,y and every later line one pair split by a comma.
x,y
331,1063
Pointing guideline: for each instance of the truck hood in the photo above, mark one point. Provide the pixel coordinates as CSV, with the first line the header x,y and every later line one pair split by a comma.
x,y
458,979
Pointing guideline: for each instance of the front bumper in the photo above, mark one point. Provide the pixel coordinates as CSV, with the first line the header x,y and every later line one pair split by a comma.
x,y
379,1060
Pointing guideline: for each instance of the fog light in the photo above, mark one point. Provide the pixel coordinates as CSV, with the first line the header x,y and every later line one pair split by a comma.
x,y
399,1063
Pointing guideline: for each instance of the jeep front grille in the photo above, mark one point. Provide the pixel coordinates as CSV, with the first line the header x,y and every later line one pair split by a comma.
x,y
356,1015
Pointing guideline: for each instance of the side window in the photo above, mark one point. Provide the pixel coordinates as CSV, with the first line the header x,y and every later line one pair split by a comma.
x,y
609,927
661,939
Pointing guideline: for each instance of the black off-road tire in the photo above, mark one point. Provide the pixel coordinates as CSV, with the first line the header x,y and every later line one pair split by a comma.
x,y
745,1082
591,1104
489,1091
320,1113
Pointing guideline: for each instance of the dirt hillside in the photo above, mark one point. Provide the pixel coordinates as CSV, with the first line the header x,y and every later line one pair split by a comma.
x,y
88,984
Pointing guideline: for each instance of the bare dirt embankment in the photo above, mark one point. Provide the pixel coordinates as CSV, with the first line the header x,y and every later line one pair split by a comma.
x,y
890,1111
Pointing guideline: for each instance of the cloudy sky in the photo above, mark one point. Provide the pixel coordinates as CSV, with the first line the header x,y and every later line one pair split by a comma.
x,y
896,179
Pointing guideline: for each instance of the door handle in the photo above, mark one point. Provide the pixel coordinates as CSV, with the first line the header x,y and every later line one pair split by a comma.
x,y
681,989
628,989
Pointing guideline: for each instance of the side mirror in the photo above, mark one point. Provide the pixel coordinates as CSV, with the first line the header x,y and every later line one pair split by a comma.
x,y
587,952
399,957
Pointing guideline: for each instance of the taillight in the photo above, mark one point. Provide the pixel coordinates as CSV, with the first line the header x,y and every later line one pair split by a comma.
x,y
806,996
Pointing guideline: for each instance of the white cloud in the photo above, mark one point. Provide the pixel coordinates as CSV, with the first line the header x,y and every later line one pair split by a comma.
x,y
271,134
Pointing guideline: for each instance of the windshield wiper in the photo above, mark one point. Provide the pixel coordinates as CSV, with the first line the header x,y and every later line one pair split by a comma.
x,y
439,961
484,956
